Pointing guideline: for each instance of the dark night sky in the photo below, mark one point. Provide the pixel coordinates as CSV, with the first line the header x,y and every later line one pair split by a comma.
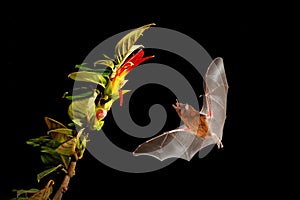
x,y
43,47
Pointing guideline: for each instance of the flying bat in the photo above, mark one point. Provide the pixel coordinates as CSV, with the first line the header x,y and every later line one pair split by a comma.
x,y
199,129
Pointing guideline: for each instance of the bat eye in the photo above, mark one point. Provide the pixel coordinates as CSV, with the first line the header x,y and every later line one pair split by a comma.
x,y
186,106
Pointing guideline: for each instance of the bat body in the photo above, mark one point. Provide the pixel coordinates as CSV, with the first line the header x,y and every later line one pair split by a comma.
x,y
200,129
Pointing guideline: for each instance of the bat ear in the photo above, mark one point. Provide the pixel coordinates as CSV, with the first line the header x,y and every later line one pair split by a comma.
x,y
186,106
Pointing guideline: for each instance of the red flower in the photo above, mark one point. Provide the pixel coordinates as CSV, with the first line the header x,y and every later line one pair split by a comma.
x,y
127,66
132,62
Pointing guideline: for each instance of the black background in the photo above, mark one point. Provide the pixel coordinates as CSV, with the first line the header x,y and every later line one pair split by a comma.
x,y
46,42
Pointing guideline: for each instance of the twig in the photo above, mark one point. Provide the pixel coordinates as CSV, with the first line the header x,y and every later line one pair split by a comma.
x,y
64,185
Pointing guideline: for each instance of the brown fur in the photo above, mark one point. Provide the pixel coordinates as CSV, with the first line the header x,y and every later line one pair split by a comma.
x,y
193,120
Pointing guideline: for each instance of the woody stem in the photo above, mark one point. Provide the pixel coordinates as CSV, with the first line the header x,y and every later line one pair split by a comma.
x,y
65,183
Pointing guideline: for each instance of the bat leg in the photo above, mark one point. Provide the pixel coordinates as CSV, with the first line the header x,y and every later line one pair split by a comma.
x,y
218,140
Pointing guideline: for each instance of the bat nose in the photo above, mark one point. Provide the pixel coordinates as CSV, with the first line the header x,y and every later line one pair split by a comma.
x,y
176,105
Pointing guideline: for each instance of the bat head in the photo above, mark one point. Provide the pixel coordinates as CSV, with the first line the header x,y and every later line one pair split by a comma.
x,y
181,108
192,118
185,110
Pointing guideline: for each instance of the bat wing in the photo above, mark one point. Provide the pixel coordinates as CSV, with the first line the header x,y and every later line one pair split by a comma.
x,y
215,101
177,143
181,143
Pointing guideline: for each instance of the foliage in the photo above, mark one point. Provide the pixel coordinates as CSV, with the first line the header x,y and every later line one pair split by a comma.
x,y
63,144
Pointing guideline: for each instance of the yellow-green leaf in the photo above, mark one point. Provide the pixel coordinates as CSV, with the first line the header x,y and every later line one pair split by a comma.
x,y
125,91
108,63
53,124
47,172
44,193
87,68
98,125
86,76
82,110
81,144
67,148
22,192
61,134
128,53
125,44
78,93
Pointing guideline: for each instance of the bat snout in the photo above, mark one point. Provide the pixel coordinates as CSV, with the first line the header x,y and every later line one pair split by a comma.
x,y
177,106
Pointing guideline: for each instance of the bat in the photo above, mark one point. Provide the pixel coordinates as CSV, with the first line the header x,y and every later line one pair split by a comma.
x,y
199,129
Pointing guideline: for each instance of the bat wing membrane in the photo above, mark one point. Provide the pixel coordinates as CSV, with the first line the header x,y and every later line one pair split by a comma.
x,y
181,143
171,144
215,100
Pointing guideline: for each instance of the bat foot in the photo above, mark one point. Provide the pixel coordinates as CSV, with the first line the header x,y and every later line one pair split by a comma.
x,y
219,144
218,141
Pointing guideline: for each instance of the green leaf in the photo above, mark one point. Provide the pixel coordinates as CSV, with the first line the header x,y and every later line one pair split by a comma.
x,y
107,57
47,172
81,111
86,68
67,96
55,159
22,192
44,193
53,124
81,144
61,134
49,156
50,159
71,124
107,73
99,125
82,92
40,141
125,44
50,149
80,65
91,77
129,52
19,198
108,88
108,63
67,148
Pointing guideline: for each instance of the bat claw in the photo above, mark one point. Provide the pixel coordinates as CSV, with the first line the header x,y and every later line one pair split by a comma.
x,y
218,141
219,144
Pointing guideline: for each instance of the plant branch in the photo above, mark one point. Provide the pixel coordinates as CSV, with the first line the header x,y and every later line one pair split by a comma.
x,y
65,183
